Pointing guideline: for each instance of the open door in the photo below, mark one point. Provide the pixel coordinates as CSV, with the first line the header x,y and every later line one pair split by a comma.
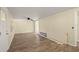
x,y
3,32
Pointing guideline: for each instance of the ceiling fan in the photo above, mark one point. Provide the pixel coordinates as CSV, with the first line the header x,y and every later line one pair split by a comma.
x,y
28,18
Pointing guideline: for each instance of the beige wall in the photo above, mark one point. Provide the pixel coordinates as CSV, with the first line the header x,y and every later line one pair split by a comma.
x,y
59,27
23,26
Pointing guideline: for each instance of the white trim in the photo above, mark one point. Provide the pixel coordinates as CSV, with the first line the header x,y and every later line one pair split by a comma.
x,y
23,32
36,26
77,40
12,36
75,28
57,41
52,40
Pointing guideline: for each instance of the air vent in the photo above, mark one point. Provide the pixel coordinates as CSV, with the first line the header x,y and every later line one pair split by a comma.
x,y
43,34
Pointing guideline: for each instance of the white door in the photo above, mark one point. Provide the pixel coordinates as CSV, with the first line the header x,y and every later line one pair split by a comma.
x,y
78,29
72,28
3,32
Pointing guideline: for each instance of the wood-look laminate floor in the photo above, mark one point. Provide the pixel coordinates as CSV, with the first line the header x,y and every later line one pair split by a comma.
x,y
31,42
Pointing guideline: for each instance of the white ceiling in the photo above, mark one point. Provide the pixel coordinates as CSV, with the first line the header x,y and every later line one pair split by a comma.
x,y
35,12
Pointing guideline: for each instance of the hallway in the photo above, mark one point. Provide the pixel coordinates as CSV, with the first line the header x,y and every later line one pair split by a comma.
x,y
30,42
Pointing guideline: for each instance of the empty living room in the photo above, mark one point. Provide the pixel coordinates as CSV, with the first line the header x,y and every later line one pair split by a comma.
x,y
39,29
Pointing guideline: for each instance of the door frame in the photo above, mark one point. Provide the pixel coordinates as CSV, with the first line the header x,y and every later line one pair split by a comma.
x,y
75,27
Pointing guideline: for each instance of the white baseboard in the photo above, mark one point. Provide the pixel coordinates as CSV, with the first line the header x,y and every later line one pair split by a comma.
x,y
57,41
52,40
12,36
77,40
22,32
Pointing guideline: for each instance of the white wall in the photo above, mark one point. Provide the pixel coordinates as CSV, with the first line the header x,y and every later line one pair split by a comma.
x,y
59,27
23,26
6,39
